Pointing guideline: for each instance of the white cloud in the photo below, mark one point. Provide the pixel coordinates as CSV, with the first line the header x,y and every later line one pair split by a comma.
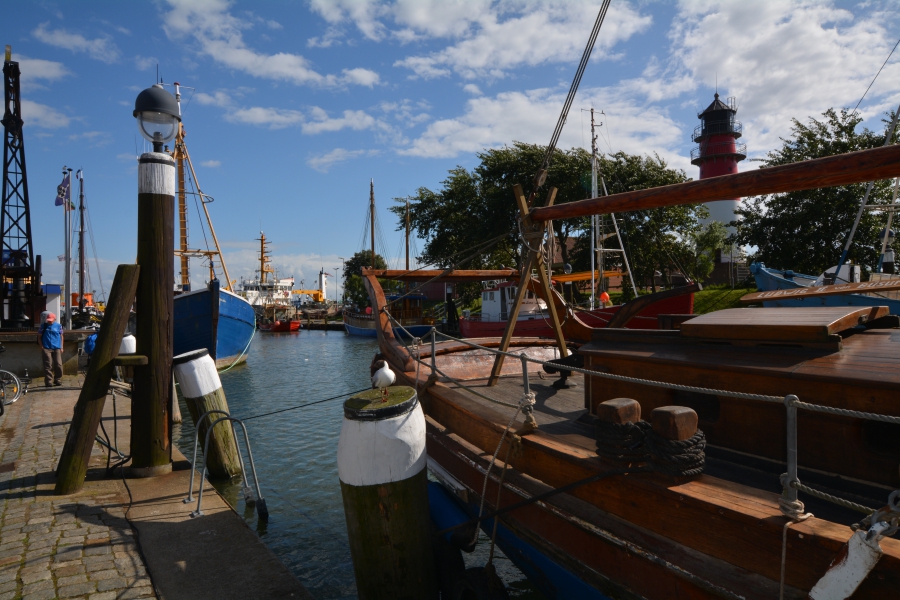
x,y
274,25
34,69
145,63
273,118
324,162
102,49
363,13
212,164
361,77
471,88
220,98
217,34
42,115
785,60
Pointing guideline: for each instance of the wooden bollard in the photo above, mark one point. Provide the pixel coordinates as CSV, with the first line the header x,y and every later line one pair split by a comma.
x,y
674,422
202,390
128,345
619,410
381,465
151,444
176,410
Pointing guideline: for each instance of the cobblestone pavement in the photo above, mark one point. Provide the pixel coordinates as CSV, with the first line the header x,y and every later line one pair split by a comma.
x,y
78,546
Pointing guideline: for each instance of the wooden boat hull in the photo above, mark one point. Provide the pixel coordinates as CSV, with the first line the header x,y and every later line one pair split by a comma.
x,y
214,319
538,326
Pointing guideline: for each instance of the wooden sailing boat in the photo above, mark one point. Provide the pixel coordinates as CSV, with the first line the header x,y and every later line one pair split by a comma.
x,y
587,522
213,317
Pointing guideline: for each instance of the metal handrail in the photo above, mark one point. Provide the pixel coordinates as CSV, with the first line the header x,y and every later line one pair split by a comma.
x,y
260,502
261,509
716,128
718,149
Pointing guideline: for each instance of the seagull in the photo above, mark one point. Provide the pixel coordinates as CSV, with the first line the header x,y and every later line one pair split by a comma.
x,y
383,378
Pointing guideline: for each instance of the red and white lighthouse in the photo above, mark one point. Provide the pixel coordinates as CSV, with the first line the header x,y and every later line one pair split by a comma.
x,y
718,152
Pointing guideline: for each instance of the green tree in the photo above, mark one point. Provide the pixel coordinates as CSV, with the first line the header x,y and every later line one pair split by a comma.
x,y
806,230
474,206
354,288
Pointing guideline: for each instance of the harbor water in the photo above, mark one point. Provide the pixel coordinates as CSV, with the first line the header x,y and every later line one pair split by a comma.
x,y
295,454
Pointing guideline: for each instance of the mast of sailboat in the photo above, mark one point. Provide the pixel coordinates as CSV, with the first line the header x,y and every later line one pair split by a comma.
x,y
594,217
406,300
372,217
80,176
181,146
182,208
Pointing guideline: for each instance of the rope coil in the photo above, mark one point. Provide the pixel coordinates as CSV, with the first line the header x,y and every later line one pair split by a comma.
x,y
678,458
622,442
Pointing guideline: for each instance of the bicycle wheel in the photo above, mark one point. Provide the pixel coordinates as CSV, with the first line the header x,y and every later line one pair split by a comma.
x,y
10,387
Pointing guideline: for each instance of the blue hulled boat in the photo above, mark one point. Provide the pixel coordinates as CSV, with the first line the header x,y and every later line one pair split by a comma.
x,y
215,319
770,280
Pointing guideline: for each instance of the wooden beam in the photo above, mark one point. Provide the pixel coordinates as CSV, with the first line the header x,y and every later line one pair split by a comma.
x,y
512,317
133,360
456,276
842,169
76,454
824,290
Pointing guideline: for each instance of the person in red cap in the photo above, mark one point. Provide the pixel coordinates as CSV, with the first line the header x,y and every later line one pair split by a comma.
x,y
50,338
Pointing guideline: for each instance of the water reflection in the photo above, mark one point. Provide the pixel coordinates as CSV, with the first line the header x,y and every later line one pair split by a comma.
x,y
295,454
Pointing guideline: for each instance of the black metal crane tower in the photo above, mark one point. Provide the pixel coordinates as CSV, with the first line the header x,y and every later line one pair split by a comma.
x,y
20,280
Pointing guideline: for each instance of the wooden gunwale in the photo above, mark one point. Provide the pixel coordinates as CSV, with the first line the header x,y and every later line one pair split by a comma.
x,y
595,542
735,523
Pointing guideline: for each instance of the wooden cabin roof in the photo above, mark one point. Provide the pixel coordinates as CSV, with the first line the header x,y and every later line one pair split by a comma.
x,y
780,324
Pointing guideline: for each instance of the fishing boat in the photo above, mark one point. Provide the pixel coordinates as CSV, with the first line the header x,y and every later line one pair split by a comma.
x,y
267,293
747,453
212,317
279,326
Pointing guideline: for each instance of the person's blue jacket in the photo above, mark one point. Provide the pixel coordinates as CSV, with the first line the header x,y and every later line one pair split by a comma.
x,y
51,336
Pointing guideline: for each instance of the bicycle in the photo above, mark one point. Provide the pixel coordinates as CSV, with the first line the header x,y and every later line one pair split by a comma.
x,y
11,388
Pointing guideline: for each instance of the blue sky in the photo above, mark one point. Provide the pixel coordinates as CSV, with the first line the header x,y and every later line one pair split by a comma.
x,y
298,104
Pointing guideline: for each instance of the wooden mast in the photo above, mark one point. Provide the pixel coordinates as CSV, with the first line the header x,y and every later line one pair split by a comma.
x,y
372,217
182,211
842,169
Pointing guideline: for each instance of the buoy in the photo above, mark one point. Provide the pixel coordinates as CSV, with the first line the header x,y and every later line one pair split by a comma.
x,y
201,387
381,465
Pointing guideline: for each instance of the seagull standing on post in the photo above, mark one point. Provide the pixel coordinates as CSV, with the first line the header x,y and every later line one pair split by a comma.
x,y
383,378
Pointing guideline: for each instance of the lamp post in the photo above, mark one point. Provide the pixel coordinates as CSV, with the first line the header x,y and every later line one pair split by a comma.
x,y
335,285
157,115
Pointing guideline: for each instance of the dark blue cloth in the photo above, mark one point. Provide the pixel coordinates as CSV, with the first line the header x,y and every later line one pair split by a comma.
x,y
90,344
51,336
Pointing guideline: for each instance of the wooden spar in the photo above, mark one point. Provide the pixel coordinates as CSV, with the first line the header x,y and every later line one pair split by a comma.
x,y
533,259
182,210
450,276
825,290
841,169
212,230
76,454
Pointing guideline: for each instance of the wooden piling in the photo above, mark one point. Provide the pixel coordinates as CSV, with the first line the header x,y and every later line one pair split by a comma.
x,y
381,465
151,448
202,390
176,409
76,453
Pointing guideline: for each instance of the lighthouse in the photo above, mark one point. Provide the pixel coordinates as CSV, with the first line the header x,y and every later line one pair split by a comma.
x,y
718,152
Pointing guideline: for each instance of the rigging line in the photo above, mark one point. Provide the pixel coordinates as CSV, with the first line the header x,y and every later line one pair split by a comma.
x,y
94,248
275,412
573,89
876,77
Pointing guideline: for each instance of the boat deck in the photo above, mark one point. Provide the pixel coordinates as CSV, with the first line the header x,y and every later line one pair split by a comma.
x,y
561,414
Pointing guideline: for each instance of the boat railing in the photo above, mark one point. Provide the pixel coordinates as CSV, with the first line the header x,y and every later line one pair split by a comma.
x,y
882,522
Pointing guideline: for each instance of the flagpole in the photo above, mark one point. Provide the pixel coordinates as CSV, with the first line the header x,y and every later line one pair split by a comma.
x,y
67,297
